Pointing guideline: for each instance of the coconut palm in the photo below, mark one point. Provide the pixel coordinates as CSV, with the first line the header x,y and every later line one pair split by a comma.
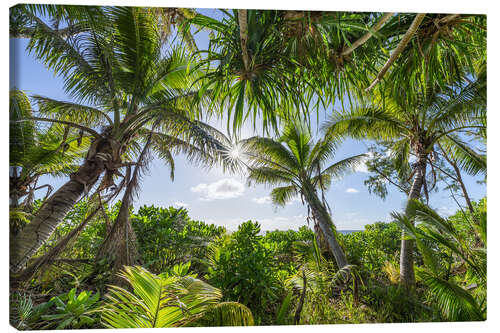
x,y
119,245
35,152
460,297
123,83
38,151
169,301
298,165
415,129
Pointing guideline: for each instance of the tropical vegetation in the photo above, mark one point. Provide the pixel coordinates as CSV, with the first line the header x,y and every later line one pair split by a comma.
x,y
147,84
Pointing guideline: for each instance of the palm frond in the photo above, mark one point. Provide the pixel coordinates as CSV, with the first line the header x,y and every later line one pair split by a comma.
x,y
456,303
157,301
282,195
340,168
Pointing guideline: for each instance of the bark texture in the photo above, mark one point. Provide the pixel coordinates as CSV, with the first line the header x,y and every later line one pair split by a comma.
x,y
407,273
327,227
53,253
55,208
242,19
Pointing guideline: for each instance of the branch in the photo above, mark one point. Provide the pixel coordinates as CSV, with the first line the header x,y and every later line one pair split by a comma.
x,y
69,123
389,179
368,35
402,44
28,32
449,18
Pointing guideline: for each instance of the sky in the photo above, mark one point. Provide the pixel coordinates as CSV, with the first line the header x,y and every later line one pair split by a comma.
x,y
225,199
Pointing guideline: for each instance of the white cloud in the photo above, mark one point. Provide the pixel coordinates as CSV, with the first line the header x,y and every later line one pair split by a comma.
x,y
262,200
445,211
361,167
351,221
267,200
351,190
226,188
180,204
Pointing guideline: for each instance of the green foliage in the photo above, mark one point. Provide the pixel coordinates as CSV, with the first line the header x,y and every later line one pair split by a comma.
x,y
21,311
283,309
89,239
166,301
458,283
243,266
273,66
284,243
167,236
393,303
226,314
72,311
25,314
371,248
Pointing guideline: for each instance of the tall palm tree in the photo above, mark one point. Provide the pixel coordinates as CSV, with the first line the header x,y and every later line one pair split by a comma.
x,y
415,129
298,165
460,296
35,152
122,83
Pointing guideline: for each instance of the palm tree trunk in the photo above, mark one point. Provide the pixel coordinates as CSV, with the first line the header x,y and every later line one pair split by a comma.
x,y
327,227
296,318
407,274
53,253
52,212
120,243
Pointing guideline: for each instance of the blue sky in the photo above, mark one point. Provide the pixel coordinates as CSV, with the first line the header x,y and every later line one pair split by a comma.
x,y
225,199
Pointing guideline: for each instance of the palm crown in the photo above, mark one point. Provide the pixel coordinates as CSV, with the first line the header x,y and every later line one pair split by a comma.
x,y
295,161
298,165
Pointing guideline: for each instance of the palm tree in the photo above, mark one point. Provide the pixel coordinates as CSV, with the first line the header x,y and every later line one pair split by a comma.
x,y
298,164
169,301
460,297
270,61
120,241
438,48
35,152
123,84
415,129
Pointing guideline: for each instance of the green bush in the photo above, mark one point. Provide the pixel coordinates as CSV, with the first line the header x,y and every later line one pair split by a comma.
x,y
167,236
71,311
244,267
371,248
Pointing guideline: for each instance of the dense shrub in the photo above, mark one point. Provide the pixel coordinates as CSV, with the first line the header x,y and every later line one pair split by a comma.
x,y
283,241
243,265
371,248
167,236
